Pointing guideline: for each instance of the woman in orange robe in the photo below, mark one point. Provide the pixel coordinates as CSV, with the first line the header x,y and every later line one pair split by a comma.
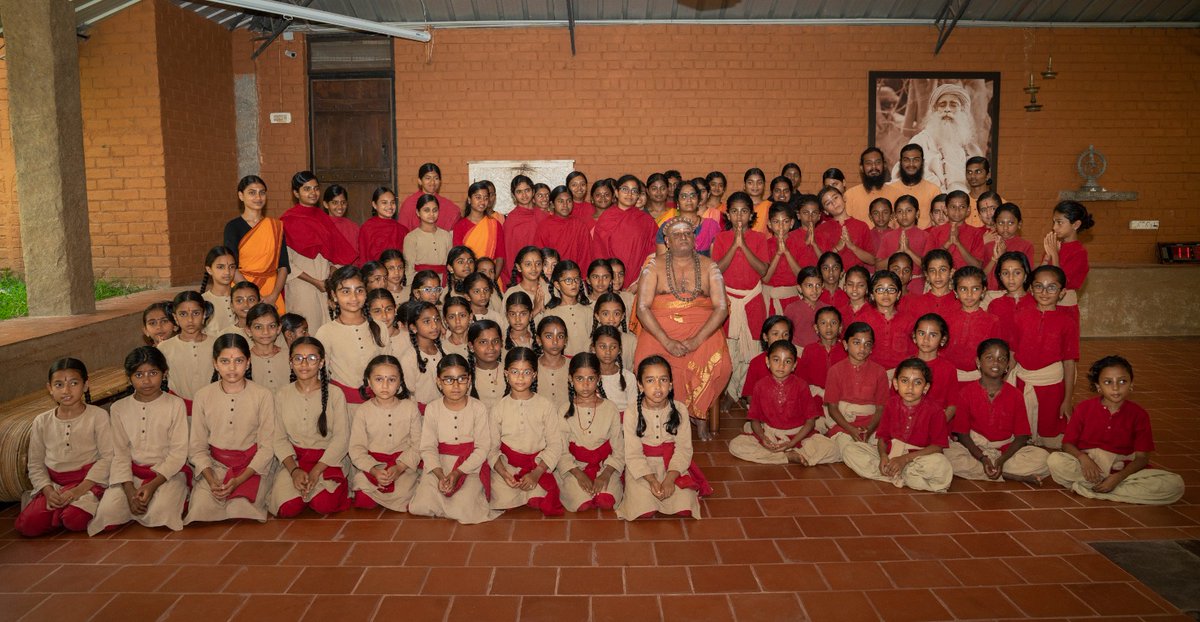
x,y
257,242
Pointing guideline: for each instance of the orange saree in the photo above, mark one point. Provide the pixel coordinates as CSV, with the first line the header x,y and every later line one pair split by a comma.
x,y
258,257
698,377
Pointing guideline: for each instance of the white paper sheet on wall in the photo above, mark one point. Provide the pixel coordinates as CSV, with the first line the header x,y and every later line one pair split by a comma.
x,y
501,172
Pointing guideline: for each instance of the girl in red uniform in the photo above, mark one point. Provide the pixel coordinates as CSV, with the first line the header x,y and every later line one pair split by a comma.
x,y
1013,273
803,311
1006,239
930,334
939,298
741,254
843,234
1106,449
969,324
1046,350
892,325
1063,249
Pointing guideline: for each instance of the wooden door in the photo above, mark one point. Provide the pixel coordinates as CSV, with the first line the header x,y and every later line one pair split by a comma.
x,y
352,138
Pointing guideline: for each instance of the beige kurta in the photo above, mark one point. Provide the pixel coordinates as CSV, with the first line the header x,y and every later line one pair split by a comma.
x,y
348,349
424,247
386,431
235,422
470,425
302,297
191,364
638,498
222,315
590,428
1028,461
296,417
271,372
628,345
552,383
495,314
152,434
932,472
1146,487
527,426
624,399
449,347
543,287
69,445
578,319
490,385
422,385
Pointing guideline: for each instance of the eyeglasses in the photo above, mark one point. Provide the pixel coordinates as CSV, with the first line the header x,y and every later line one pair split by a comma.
x,y
626,190
688,195
453,380
886,290
430,290
520,373
300,359
1049,289
570,280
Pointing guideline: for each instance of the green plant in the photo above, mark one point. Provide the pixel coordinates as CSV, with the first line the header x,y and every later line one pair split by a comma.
x,y
14,299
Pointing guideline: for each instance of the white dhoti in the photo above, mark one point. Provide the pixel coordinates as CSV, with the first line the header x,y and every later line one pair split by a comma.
x,y
932,472
1044,377
1028,461
815,449
742,345
1146,487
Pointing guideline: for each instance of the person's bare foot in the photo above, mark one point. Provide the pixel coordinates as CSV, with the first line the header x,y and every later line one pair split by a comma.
x,y
727,403
796,458
702,431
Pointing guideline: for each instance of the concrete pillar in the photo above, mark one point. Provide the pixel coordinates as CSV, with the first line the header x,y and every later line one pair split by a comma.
x,y
42,56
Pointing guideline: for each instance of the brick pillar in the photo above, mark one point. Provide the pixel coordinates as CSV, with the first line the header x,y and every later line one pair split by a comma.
x,y
47,134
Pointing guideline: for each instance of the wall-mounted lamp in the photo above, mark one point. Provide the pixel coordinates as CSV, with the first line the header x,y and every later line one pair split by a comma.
x,y
1049,73
1033,105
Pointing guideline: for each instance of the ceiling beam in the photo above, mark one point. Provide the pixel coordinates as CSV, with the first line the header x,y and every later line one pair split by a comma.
x,y
947,19
291,11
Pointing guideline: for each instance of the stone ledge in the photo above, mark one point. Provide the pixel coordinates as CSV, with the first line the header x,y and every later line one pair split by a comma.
x,y
1102,195
1145,300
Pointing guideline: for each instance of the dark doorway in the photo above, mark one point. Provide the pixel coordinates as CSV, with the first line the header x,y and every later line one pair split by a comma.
x,y
352,103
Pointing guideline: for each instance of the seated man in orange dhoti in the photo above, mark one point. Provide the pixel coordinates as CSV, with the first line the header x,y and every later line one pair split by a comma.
x,y
681,307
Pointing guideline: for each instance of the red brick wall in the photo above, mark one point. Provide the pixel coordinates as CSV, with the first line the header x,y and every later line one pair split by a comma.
x,y
123,147
644,98
195,70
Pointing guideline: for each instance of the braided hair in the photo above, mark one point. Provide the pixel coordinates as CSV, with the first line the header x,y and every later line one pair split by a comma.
x,y
237,342
78,366
516,299
145,355
322,375
541,327
520,256
614,298
335,280
391,254
675,418
474,332
213,255
416,309
473,279
452,283
423,279
383,359
583,360
518,354
381,293
191,296
597,264
561,267
611,333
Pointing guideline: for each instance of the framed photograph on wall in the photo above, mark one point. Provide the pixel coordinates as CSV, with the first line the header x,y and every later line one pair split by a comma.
x,y
953,116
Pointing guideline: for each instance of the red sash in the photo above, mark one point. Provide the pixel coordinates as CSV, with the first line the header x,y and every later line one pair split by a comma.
x,y
308,458
389,461
187,404
593,459
461,451
351,393
693,478
235,462
551,504
145,473
67,480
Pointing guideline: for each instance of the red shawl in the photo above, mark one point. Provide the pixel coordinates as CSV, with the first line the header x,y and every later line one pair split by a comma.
x,y
569,236
448,212
310,231
379,234
626,234
520,227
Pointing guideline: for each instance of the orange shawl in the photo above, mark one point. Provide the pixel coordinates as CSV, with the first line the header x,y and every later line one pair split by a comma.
x,y
484,238
698,377
258,257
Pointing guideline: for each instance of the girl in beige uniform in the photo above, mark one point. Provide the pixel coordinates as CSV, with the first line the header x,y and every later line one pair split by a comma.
x,y
610,311
219,270
382,307
526,442
352,339
456,314
420,362
569,303
593,456
477,289
189,354
427,245
488,381
518,311
527,277
660,474
267,358
617,384
397,278
455,442
384,440
233,427
70,452
243,296
553,377
312,433
148,481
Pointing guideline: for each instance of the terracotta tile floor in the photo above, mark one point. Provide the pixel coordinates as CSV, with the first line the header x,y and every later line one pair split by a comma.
x,y
775,544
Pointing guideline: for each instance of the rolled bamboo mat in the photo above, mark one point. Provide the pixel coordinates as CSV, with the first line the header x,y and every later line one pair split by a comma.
x,y
16,419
